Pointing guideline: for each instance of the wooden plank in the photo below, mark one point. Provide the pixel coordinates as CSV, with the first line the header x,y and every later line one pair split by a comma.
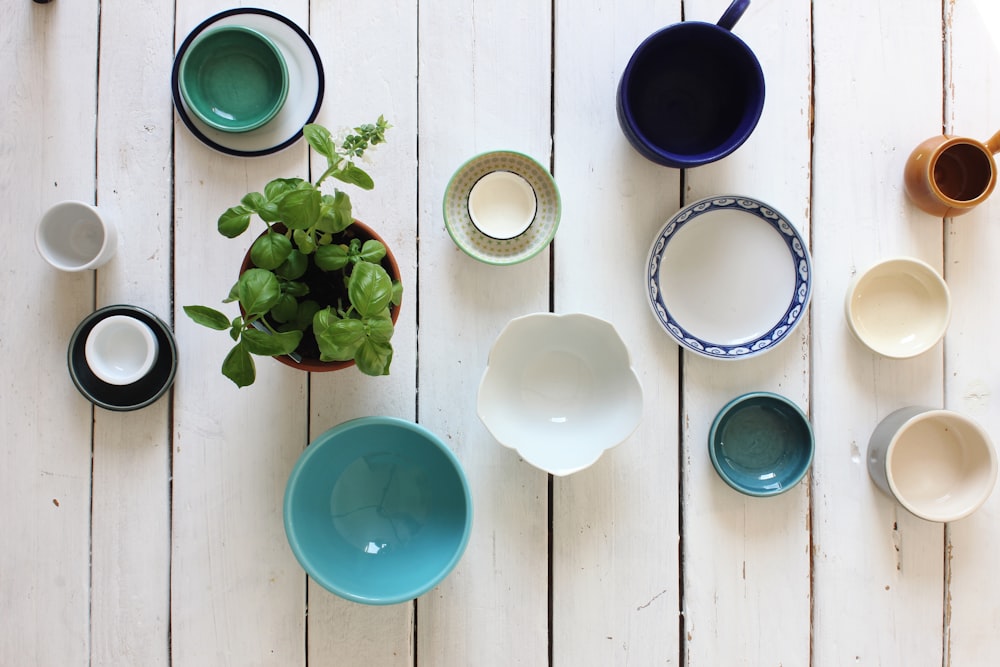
x,y
47,145
343,633
130,550
877,95
615,597
237,593
484,85
972,378
746,560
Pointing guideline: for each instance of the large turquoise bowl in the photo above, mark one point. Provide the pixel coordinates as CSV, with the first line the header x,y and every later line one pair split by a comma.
x,y
378,510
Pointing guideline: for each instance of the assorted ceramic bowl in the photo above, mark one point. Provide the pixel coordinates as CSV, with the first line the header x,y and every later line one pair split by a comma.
x,y
502,207
559,389
122,358
246,81
378,510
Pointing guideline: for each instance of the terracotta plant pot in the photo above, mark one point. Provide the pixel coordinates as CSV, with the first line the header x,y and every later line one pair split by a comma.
x,y
311,362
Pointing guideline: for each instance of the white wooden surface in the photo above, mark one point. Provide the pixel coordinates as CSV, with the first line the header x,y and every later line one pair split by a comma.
x,y
155,537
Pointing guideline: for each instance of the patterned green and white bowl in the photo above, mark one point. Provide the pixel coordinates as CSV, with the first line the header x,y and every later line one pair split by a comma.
x,y
501,251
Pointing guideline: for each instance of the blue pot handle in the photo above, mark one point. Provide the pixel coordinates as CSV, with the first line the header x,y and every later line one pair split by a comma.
x,y
733,14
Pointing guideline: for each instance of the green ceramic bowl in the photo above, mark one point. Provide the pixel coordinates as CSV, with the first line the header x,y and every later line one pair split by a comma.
x,y
761,444
233,78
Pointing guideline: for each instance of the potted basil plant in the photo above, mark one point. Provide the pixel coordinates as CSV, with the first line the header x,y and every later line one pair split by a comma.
x,y
318,289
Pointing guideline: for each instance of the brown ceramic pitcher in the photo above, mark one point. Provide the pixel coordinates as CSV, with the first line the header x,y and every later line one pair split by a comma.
x,y
948,176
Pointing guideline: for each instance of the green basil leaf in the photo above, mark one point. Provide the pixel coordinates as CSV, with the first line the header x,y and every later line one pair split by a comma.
x,y
234,221
234,294
356,176
238,366
369,289
269,212
236,328
295,288
253,201
379,329
207,317
307,311
335,213
331,257
397,292
305,241
279,186
372,251
373,358
300,208
294,266
259,291
286,308
270,250
337,338
271,345
319,138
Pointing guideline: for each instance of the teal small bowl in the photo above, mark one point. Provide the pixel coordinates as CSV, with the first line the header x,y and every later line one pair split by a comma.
x,y
761,444
233,78
377,510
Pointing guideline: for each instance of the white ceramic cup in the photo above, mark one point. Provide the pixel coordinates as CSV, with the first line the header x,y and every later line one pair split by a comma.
x,y
502,204
74,236
899,307
121,349
940,465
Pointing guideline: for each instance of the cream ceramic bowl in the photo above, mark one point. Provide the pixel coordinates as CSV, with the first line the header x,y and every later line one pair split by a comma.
x,y
899,307
559,389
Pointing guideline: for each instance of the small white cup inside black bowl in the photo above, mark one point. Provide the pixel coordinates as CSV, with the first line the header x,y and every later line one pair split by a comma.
x,y
121,349
123,397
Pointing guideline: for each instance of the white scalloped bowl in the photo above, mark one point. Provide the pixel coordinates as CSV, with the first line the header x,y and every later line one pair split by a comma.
x,y
560,390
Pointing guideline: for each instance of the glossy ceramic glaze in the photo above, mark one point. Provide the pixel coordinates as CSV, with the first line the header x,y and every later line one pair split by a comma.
x,y
691,93
948,176
75,236
940,465
502,204
761,444
139,394
559,389
233,78
377,510
483,247
899,307
121,349
728,277
306,85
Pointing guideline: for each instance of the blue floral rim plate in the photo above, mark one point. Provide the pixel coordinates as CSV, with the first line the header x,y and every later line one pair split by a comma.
x,y
728,277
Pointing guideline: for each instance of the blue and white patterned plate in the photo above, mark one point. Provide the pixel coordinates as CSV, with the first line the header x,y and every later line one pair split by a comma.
x,y
728,277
